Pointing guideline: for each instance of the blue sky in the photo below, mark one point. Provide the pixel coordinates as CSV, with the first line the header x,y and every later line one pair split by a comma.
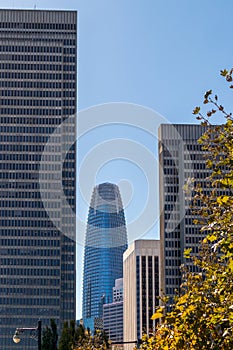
x,y
160,54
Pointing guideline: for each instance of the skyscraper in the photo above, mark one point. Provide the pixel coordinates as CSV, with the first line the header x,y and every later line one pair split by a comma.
x,y
141,288
106,241
182,163
37,169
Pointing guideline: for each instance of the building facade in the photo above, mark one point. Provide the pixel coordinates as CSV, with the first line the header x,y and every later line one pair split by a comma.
x,y
37,169
106,241
141,288
182,165
113,314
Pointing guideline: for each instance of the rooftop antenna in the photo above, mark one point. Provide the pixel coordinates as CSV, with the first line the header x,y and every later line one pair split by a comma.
x,y
35,7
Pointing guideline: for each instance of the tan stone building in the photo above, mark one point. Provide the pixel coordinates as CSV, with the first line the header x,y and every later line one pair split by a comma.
x,y
141,288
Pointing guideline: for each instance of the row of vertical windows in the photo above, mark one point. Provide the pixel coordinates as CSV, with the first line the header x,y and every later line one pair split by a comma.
x,y
34,76
38,57
28,301
174,189
173,217
34,58
175,253
33,66
173,272
29,262
27,185
25,223
171,198
24,158
24,49
21,166
38,93
34,103
24,204
194,147
170,171
171,180
18,194
29,120
29,252
173,281
29,242
30,233
173,262
30,291
11,320
23,138
26,213
195,166
29,272
173,234
33,111
170,153
25,129
32,25
36,84
172,244
169,161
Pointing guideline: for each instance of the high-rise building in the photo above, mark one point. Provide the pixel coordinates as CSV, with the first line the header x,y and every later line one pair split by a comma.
x,y
106,241
182,164
113,314
141,283
37,169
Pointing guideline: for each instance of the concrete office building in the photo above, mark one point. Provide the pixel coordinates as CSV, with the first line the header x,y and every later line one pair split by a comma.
x,y
113,314
37,170
181,160
141,288
106,241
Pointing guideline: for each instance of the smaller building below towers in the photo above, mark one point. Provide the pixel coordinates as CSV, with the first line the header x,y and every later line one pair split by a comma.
x,y
118,290
141,288
113,314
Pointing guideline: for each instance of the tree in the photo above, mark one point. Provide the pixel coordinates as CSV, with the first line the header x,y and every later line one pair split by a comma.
x,y
202,315
79,338
65,340
50,337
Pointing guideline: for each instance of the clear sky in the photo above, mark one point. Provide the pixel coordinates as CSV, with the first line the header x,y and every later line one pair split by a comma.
x,y
160,54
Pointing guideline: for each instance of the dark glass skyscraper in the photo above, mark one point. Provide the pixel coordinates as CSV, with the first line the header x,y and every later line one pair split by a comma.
x,y
37,169
182,164
106,241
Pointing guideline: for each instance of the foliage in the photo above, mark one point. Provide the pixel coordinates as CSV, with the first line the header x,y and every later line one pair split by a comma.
x,y
50,337
77,338
65,341
202,316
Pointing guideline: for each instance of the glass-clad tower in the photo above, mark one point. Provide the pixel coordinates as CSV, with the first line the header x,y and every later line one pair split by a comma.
x,y
106,241
182,162
37,170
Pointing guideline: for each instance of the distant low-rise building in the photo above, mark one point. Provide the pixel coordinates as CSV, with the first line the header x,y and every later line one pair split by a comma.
x,y
113,314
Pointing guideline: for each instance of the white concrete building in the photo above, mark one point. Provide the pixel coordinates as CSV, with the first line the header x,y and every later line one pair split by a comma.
x,y
141,288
